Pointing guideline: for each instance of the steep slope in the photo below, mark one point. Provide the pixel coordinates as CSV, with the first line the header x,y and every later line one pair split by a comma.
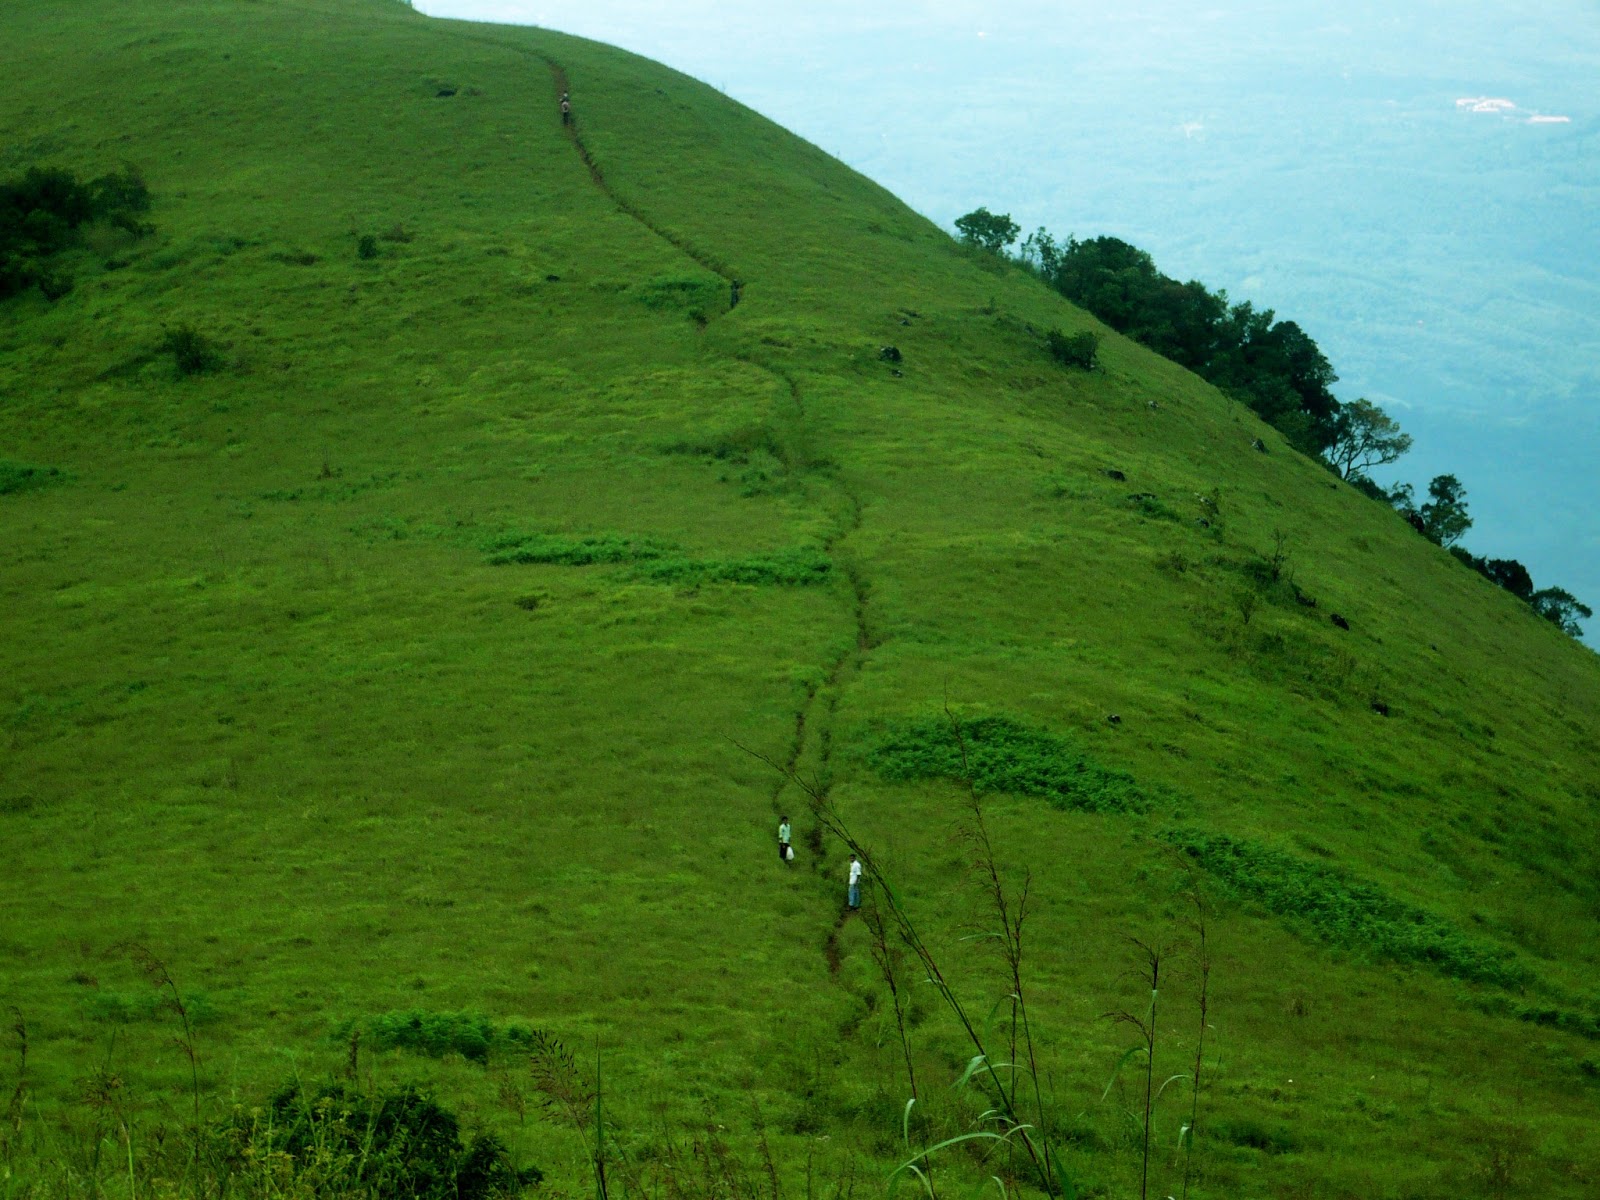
x,y
405,662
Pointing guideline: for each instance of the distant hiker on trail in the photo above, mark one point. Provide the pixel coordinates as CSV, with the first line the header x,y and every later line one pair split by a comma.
x,y
785,850
566,109
855,882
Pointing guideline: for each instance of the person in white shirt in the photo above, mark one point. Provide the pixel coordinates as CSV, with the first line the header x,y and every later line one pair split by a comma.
x,y
785,853
855,882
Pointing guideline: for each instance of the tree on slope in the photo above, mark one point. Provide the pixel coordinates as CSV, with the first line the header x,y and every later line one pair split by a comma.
x,y
1444,517
1561,608
1364,436
987,230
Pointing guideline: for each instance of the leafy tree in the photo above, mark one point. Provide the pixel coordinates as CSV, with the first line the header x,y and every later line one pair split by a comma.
x,y
1511,575
1444,517
1364,436
1504,572
988,231
1561,608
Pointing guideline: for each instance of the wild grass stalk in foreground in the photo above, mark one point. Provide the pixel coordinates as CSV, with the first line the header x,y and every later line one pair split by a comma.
x,y
1005,1112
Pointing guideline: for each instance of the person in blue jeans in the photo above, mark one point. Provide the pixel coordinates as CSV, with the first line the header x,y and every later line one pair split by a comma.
x,y
855,882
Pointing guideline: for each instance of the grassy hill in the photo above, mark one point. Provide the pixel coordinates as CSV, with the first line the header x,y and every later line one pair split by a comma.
x,y
409,661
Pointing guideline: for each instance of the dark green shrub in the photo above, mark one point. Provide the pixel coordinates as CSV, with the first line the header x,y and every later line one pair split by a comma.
x,y
398,1145
435,1034
20,477
1273,1139
1004,755
1074,349
42,212
571,552
1344,911
782,568
367,246
193,353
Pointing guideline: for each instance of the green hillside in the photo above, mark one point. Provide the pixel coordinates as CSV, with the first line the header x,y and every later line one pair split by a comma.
x,y
410,659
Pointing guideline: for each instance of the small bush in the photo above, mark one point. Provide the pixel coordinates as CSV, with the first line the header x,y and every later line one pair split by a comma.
x,y
1074,349
367,246
1004,755
20,477
193,353
1150,506
387,1146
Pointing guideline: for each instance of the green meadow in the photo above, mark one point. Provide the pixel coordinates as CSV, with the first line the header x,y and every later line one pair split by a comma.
x,y
408,697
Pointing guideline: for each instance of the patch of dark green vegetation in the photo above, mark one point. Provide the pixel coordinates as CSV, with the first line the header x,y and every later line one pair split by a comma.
x,y
737,446
1004,755
1273,1138
393,1144
193,352
695,297
435,1034
763,465
572,552
1148,505
20,477
43,213
1585,1024
782,568
660,562
1344,911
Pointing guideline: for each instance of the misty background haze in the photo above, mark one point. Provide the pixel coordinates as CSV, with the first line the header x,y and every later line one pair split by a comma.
x,y
1417,184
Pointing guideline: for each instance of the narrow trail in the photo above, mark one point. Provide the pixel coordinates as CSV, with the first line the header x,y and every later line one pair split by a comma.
x,y
807,720
562,85
558,76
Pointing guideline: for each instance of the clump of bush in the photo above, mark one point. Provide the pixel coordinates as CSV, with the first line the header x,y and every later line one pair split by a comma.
x,y
1074,349
1346,912
367,246
1004,755
193,353
20,477
334,1141
660,562
571,552
434,1034
43,212
781,568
